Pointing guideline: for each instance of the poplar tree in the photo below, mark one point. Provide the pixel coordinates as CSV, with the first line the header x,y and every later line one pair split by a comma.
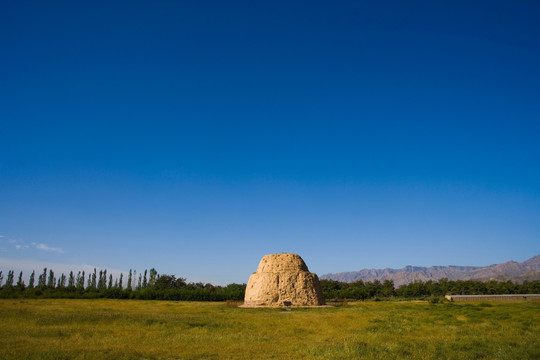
x,y
9,280
62,281
1,279
153,277
83,277
32,279
71,281
100,282
79,281
110,281
51,281
121,279
129,280
104,284
145,282
134,280
42,279
94,276
140,282
20,282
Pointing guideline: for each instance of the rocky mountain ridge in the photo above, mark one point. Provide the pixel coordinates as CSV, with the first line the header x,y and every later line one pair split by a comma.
x,y
511,270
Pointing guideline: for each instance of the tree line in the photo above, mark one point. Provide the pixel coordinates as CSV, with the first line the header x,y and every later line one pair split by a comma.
x,y
149,285
360,290
101,284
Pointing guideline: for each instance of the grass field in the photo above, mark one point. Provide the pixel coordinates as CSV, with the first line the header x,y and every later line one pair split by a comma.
x,y
130,329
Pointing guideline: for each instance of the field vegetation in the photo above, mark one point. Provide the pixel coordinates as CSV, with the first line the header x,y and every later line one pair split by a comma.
x,y
120,329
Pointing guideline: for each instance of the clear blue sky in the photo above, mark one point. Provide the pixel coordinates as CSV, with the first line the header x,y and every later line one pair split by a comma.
x,y
196,137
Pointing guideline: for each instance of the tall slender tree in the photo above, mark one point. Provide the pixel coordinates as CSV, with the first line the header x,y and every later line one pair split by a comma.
x,y
1,279
83,278
129,280
121,279
9,280
153,277
110,281
42,281
80,281
32,279
100,281
134,280
104,281
94,279
71,281
145,281
20,282
62,281
52,280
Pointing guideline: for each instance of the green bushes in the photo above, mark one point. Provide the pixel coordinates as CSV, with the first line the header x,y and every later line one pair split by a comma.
x,y
154,287
430,290
218,293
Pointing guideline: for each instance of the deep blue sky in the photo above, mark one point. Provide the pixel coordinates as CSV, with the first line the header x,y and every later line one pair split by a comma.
x,y
196,137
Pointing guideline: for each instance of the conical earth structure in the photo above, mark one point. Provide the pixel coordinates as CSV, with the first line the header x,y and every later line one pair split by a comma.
x,y
283,280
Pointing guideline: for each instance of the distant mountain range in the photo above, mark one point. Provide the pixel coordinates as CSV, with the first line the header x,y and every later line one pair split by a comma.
x,y
510,270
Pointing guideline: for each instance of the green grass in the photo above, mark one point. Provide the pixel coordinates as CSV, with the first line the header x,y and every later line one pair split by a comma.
x,y
130,329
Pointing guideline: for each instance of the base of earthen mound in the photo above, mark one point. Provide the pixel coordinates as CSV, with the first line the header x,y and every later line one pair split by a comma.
x,y
244,306
283,280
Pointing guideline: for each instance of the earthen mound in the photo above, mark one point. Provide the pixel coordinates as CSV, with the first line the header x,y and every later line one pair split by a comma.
x,y
283,279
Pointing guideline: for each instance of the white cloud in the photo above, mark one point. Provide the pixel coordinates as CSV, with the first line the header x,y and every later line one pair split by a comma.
x,y
1,236
20,245
47,248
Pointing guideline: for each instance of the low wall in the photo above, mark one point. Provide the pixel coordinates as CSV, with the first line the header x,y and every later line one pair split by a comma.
x,y
493,297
